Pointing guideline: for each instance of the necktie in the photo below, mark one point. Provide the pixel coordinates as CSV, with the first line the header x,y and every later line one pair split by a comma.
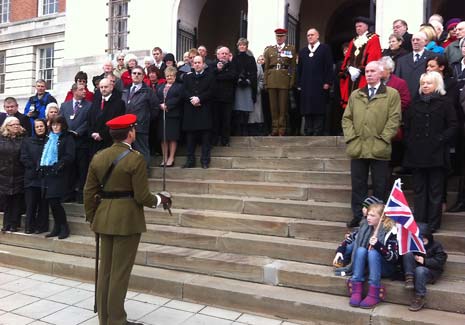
x,y
102,104
417,57
371,92
76,106
131,93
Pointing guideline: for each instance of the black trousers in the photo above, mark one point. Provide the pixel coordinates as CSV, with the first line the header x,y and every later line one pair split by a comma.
x,y
359,169
240,121
314,124
36,210
12,210
58,212
222,122
191,139
428,185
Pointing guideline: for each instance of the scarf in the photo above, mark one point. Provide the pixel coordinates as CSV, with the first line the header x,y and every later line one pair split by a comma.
x,y
362,239
50,153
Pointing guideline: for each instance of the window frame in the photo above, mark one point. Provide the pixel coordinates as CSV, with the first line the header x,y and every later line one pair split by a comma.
x,y
2,71
45,4
7,5
46,72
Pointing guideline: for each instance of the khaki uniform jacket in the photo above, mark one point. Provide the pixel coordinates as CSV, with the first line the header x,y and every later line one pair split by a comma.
x,y
370,125
123,216
283,78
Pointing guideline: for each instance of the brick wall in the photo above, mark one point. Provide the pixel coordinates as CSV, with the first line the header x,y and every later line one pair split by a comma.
x,y
27,9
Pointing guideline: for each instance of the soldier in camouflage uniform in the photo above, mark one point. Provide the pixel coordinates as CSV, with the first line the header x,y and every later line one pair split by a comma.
x,y
280,66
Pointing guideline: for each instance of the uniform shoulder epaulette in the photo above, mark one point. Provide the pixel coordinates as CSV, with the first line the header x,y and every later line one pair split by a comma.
x,y
266,48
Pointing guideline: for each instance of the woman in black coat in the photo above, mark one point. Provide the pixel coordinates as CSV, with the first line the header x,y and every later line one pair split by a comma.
x,y
11,172
57,157
36,206
430,127
171,100
197,118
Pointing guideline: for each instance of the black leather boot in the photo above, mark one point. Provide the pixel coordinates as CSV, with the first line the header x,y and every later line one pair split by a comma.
x,y
55,231
459,206
64,231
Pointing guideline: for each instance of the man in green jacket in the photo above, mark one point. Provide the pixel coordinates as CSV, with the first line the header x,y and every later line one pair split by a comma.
x,y
370,121
114,205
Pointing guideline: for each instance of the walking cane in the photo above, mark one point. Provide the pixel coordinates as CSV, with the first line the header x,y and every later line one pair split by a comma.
x,y
164,154
97,250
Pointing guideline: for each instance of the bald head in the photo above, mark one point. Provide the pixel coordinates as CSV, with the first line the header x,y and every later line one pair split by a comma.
x,y
105,86
313,36
419,41
460,29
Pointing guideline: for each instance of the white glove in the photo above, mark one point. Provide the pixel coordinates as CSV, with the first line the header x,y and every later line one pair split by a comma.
x,y
354,73
338,257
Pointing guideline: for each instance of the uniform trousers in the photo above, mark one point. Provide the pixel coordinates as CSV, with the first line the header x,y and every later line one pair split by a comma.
x,y
428,185
359,169
278,106
142,145
117,256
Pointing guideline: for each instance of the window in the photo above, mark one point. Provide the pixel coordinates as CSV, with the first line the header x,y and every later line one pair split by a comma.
x,y
118,26
46,54
2,71
4,11
48,7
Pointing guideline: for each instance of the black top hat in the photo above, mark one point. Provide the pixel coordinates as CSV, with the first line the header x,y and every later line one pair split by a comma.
x,y
361,19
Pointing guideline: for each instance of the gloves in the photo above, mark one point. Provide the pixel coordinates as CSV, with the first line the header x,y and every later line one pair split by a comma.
x,y
165,200
337,262
243,83
354,73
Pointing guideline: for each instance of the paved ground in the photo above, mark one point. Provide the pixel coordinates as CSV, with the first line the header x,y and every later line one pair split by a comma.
x,y
36,299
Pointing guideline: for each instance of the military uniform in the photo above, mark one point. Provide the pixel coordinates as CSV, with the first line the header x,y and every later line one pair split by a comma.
x,y
119,219
280,67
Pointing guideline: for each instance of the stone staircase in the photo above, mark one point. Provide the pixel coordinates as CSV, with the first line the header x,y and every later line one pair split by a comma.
x,y
256,232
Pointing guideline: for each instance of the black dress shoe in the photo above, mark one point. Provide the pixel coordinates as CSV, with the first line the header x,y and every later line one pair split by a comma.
x,y
458,207
29,231
205,166
14,229
188,165
6,228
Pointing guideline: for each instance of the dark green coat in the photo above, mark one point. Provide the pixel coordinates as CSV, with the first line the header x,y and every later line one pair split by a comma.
x,y
123,216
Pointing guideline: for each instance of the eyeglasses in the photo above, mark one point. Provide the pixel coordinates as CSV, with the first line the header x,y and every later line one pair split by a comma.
x,y
121,59
137,73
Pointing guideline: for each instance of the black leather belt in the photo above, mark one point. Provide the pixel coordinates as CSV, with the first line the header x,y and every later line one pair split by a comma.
x,y
117,195
279,67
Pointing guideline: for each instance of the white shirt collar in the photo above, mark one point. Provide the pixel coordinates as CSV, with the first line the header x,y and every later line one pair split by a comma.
x,y
415,53
375,86
106,98
315,46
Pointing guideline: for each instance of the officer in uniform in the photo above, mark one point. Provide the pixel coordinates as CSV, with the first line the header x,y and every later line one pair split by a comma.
x,y
116,213
280,67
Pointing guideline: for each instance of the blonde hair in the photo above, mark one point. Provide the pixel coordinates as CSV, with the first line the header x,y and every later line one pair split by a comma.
x,y
4,130
388,223
437,80
49,106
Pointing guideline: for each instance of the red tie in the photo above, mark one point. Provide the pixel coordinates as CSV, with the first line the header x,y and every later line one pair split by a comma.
x,y
102,104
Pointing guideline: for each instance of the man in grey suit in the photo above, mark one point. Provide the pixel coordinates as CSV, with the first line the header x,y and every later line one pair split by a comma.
x,y
76,113
411,66
453,52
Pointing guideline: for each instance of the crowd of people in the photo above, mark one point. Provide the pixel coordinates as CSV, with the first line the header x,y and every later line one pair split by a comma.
x,y
400,108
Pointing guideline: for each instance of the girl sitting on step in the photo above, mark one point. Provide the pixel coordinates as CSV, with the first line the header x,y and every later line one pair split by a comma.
x,y
375,247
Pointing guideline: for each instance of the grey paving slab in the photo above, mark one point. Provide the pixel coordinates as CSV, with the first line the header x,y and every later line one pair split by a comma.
x,y
13,319
4,269
42,277
4,293
67,282
69,316
220,313
165,316
183,305
71,296
6,278
38,322
87,286
44,290
155,300
137,309
20,273
15,301
257,320
198,319
87,303
19,284
40,309
92,321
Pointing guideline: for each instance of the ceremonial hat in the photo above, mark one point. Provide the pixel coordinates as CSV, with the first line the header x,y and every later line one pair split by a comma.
x,y
361,19
122,122
280,31
451,23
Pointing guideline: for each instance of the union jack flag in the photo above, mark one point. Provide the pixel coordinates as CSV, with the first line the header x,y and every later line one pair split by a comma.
x,y
408,234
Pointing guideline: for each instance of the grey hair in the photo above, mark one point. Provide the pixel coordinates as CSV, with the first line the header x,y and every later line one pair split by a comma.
x,y
437,79
377,64
388,63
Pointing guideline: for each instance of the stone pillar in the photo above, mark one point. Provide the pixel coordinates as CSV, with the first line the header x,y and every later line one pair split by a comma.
x,y
264,16
412,11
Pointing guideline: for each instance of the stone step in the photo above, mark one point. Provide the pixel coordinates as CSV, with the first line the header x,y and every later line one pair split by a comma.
x,y
444,295
287,303
273,152
326,141
301,164
253,175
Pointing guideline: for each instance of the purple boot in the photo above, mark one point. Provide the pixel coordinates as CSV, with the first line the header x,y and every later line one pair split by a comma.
x,y
355,292
375,295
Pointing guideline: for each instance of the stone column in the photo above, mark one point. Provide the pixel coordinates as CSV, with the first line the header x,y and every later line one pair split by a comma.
x,y
412,11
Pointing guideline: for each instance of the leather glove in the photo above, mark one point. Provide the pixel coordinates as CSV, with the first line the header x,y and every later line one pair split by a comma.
x,y
354,73
165,200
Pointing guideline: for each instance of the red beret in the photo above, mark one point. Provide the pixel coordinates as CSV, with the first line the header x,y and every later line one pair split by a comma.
x,y
122,122
280,31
